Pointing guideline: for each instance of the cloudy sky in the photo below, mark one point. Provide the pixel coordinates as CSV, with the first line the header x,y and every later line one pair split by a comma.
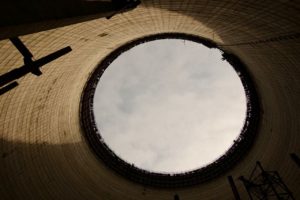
x,y
169,106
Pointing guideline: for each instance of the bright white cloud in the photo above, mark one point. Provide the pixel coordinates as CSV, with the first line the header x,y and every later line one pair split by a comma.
x,y
170,106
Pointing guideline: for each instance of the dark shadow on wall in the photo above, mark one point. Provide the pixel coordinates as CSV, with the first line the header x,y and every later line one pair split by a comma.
x,y
15,12
53,171
38,171
44,171
31,16
8,87
30,66
227,18
27,68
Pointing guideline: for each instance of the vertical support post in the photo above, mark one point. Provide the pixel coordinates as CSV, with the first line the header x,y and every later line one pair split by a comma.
x,y
233,188
295,158
246,186
176,197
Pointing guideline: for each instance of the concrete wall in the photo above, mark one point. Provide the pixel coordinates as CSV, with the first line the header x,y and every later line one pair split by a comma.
x,y
44,154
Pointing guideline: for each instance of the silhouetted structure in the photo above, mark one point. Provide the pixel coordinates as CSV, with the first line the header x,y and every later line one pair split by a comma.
x,y
8,87
176,197
295,158
265,185
30,66
27,56
234,189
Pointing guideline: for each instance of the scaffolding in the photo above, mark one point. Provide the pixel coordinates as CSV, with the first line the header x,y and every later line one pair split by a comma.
x,y
266,185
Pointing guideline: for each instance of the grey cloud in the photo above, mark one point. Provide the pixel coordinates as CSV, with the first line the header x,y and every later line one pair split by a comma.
x,y
175,112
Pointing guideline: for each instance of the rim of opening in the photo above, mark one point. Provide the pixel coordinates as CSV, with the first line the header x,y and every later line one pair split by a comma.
x,y
235,153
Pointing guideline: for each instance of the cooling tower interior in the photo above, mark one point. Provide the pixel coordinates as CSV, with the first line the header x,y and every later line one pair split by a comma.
x,y
44,150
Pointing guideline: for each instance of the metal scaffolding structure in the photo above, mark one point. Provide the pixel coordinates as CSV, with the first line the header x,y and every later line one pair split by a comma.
x,y
266,185
233,188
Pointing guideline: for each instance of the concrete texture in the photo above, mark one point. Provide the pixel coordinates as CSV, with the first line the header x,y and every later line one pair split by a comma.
x,y
44,154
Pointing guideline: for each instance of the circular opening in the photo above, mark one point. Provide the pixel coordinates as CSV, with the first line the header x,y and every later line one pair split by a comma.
x,y
170,106
179,177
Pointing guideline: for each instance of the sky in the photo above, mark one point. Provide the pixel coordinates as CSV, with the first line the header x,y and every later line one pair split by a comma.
x,y
169,106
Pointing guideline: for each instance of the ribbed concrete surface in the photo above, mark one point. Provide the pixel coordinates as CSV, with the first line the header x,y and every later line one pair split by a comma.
x,y
43,152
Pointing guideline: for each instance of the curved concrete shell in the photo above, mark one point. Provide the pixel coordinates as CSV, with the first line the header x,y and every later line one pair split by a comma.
x,y
44,154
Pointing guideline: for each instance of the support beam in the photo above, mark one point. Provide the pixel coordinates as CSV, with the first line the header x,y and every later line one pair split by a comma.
x,y
8,87
176,197
295,158
233,188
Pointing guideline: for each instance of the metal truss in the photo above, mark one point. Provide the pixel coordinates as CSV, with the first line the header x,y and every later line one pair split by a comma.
x,y
266,185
